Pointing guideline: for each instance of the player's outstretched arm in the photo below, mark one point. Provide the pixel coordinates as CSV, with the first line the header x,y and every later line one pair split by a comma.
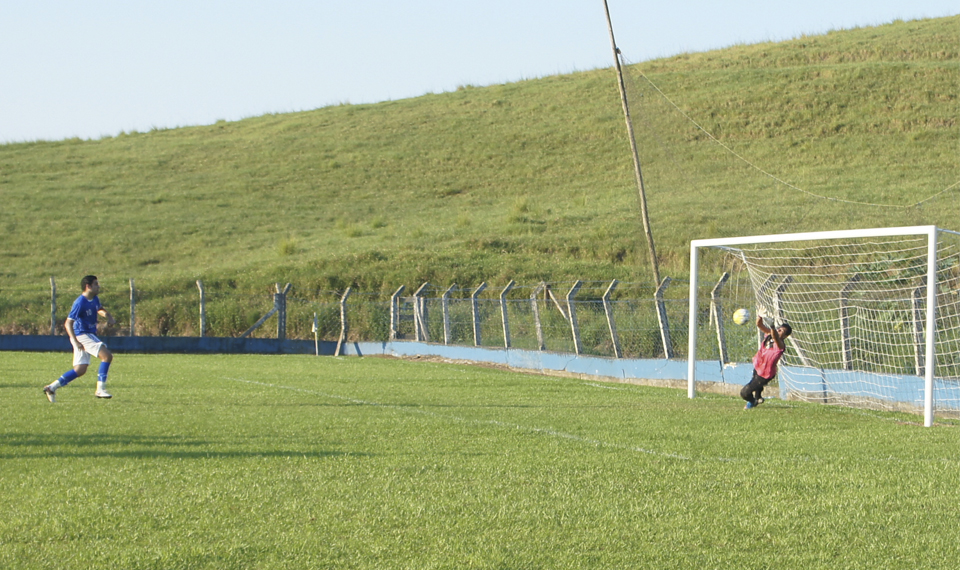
x,y
775,333
106,314
762,325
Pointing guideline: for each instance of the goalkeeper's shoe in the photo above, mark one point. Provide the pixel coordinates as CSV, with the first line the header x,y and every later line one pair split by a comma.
x,y
51,395
749,405
103,394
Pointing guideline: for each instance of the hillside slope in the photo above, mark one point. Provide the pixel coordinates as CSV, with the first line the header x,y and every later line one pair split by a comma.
x,y
530,180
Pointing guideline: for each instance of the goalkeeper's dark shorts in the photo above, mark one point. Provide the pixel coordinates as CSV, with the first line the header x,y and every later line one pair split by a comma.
x,y
754,389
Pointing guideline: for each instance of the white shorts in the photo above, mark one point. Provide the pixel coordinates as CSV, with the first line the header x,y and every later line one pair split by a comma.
x,y
91,347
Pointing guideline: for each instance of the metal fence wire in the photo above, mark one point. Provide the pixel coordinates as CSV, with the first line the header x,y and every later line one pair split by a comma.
x,y
532,317
625,320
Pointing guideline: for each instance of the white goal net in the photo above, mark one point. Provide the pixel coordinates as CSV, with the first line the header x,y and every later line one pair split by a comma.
x,y
875,313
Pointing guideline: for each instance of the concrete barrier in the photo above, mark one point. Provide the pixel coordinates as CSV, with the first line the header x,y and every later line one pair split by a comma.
x,y
168,344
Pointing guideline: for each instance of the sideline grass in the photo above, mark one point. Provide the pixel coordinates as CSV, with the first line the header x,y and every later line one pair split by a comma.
x,y
304,462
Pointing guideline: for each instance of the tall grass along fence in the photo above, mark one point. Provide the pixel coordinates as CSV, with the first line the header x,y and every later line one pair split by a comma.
x,y
608,319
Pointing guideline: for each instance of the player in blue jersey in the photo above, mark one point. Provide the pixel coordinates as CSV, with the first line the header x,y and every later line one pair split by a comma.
x,y
81,327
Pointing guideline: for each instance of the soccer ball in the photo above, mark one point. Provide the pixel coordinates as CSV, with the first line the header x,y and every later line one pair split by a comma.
x,y
741,316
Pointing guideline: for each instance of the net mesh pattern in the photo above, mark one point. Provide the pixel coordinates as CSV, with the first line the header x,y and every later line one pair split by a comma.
x,y
858,309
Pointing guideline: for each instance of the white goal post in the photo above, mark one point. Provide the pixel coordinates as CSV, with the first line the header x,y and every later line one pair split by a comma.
x,y
875,313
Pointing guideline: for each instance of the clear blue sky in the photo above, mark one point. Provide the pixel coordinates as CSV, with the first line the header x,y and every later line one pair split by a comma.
x,y
99,67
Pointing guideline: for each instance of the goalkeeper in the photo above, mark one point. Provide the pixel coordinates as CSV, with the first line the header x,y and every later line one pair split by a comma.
x,y
766,359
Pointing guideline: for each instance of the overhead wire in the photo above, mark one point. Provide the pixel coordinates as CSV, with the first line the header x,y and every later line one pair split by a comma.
x,y
778,180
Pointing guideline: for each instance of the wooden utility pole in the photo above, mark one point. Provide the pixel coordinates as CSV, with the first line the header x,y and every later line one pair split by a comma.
x,y
636,154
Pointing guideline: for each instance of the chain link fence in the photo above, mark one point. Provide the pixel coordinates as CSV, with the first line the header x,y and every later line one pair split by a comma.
x,y
608,319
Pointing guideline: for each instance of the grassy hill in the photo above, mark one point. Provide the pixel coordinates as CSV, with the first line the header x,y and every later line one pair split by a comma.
x,y
530,180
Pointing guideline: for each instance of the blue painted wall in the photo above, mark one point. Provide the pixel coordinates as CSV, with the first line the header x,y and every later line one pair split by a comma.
x,y
624,369
166,344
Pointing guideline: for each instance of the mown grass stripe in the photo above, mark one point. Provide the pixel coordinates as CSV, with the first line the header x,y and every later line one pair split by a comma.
x,y
537,430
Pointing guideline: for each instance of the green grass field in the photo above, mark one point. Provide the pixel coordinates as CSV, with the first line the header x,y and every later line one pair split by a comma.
x,y
304,462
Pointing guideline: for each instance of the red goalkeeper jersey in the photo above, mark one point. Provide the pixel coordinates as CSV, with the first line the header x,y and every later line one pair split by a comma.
x,y
766,359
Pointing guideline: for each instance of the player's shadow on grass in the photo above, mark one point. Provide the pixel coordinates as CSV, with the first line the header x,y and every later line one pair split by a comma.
x,y
19,446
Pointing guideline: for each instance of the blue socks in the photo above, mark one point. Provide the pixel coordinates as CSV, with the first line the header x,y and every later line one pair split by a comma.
x,y
68,377
102,373
71,375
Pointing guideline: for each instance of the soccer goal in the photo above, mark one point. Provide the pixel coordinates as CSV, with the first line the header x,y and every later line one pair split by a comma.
x,y
875,313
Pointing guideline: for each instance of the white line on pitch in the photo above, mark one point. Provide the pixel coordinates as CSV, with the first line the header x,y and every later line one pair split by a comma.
x,y
544,431
604,386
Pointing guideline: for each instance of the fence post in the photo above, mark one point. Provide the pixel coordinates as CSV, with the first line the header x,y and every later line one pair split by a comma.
x,y
611,324
845,321
556,303
536,314
395,312
919,320
445,304
343,320
503,313
278,305
476,312
662,318
420,315
572,311
203,309
133,309
276,308
53,305
280,302
716,313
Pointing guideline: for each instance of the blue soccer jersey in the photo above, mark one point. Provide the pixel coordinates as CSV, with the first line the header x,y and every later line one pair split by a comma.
x,y
84,315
